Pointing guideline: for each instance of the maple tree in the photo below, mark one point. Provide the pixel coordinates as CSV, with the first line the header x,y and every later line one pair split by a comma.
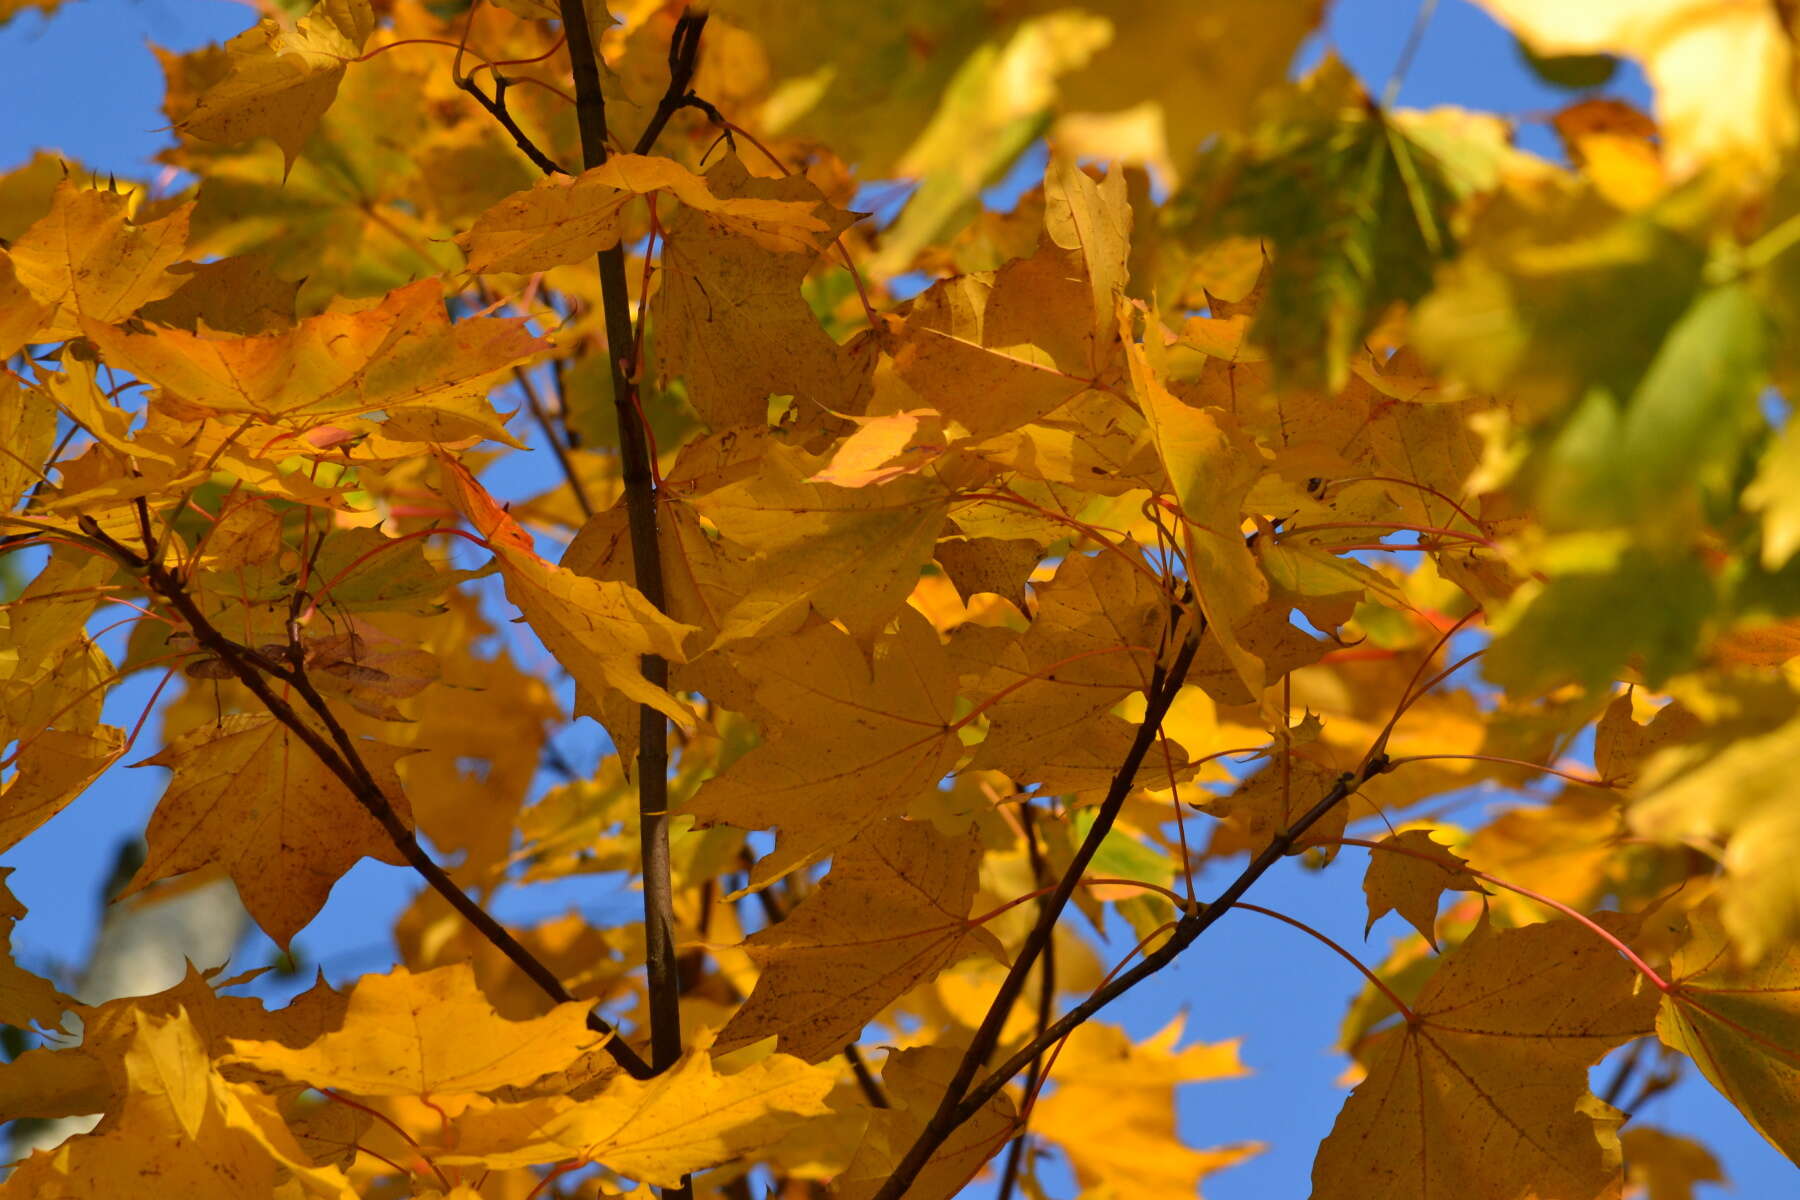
x,y
950,589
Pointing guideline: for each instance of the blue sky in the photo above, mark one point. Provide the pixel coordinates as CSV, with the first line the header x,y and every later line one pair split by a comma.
x,y
94,90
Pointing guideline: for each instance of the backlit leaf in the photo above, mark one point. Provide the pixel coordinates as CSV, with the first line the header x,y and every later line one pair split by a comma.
x,y
88,260
1741,1026
249,795
889,916
1489,1083
279,79
432,1033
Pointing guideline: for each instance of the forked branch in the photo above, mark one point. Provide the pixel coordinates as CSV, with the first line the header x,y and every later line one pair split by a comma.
x,y
965,1101
953,1110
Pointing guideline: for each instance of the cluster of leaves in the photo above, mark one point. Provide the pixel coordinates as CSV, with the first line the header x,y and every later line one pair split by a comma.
x,y
1162,527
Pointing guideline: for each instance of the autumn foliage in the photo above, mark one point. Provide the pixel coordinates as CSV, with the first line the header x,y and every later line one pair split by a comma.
x,y
950,585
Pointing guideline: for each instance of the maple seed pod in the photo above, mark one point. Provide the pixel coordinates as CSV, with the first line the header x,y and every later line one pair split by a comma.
x,y
339,646
351,672
208,668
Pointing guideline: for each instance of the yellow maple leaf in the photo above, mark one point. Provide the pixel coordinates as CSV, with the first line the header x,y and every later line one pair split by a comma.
x,y
1411,884
180,1129
403,357
1113,1111
845,747
47,1083
86,1078
851,554
25,999
1165,81
1560,849
1488,1079
156,465
1050,694
991,109
890,915
427,1034
54,767
687,1118
565,219
1666,1165
994,350
1621,745
21,316
1211,466
1773,495
250,796
1737,793
723,350
1740,1025
53,681
88,260
279,79
27,430
1126,1140
598,629
884,448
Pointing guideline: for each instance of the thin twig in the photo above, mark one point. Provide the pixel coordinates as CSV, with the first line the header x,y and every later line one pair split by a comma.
x,y
684,55
1015,1153
542,417
497,109
1187,930
1667,1075
871,1087
1414,38
953,1108
565,416
1622,1074
1375,980
339,755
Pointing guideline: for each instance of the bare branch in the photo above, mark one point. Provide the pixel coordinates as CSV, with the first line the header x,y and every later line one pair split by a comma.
x,y
639,483
1187,930
1165,683
497,109
341,757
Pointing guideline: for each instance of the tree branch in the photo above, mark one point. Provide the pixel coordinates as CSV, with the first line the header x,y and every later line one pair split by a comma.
x,y
664,982
871,1087
636,476
251,668
1165,683
1186,931
542,417
1015,1154
498,110
684,54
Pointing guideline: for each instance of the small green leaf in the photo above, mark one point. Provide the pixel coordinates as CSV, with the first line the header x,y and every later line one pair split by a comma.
x,y
1356,212
1684,426
1585,627
1577,72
